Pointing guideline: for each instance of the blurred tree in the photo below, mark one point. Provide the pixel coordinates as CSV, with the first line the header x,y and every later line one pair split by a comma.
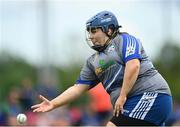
x,y
12,70
68,75
168,64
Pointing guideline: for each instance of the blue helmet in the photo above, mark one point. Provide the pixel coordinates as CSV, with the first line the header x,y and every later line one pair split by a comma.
x,y
102,20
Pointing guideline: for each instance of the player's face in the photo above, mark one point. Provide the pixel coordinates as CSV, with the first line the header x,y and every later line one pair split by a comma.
x,y
97,36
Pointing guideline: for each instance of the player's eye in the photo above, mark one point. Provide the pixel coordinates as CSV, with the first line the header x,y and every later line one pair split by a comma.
x,y
93,30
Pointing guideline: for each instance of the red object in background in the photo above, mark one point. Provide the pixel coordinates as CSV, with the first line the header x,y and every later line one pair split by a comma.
x,y
100,100
31,118
75,114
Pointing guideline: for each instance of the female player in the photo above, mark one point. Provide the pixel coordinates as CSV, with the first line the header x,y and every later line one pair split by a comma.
x,y
139,94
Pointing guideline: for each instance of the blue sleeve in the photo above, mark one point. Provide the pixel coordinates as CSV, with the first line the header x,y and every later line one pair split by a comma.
x,y
87,76
131,48
85,82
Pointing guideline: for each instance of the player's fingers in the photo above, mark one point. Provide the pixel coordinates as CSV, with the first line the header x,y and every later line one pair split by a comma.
x,y
36,106
44,110
117,111
43,98
114,111
122,110
37,110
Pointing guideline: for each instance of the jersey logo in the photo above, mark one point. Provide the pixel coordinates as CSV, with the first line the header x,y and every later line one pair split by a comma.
x,y
101,62
98,70
131,48
111,48
103,66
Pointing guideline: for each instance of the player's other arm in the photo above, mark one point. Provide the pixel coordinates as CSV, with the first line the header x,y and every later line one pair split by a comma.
x,y
68,95
130,76
131,56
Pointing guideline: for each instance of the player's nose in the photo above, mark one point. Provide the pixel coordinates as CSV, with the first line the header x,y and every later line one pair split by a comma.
x,y
90,35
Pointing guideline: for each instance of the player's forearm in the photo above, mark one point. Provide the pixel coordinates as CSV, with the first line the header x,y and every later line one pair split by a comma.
x,y
130,77
68,95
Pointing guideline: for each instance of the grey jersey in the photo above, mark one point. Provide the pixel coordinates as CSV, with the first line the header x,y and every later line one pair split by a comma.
x,y
108,67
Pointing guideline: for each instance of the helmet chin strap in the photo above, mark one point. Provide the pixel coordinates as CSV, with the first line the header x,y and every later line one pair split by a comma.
x,y
100,48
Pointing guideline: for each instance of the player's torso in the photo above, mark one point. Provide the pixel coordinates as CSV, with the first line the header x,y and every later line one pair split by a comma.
x,y
108,66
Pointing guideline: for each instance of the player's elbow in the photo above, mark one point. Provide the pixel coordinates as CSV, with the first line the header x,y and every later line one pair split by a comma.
x,y
136,66
133,65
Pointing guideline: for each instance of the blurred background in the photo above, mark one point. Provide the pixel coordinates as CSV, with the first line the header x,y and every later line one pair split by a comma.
x,y
43,47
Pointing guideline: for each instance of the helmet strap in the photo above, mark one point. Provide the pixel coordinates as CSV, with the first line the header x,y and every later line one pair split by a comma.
x,y
100,48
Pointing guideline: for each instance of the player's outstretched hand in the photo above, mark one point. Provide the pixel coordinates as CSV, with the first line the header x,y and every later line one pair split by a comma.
x,y
45,106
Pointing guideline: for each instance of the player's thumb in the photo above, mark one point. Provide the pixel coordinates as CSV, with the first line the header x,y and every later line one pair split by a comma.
x,y
43,98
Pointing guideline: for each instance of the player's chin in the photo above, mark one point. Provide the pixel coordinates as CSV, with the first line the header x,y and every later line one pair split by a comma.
x,y
94,41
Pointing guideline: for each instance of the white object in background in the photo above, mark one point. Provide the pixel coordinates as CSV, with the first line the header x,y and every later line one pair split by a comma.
x,y
21,118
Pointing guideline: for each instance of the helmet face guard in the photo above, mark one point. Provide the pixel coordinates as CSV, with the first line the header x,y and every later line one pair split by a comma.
x,y
96,47
102,20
